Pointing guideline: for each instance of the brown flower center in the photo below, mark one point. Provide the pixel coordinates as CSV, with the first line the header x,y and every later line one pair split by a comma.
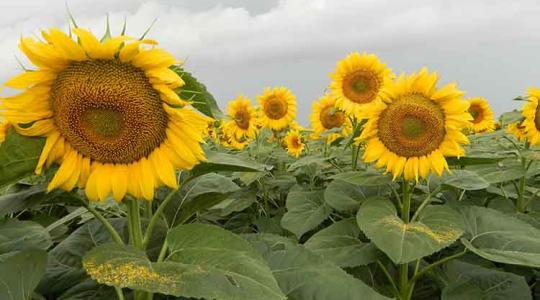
x,y
330,117
361,86
412,126
108,111
537,117
477,113
242,118
275,108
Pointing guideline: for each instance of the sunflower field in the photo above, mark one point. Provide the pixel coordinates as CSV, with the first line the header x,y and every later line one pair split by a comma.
x,y
121,178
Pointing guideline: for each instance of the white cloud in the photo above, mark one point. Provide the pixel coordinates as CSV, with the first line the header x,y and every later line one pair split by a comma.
x,y
489,47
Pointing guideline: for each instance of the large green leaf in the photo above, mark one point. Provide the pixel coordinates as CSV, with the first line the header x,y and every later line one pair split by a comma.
x,y
465,180
18,157
201,193
217,162
339,244
238,271
302,274
205,262
18,235
506,170
472,282
501,238
196,93
305,211
20,273
345,196
364,178
437,227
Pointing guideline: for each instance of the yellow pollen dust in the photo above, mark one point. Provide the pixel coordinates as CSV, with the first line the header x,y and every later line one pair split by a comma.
x,y
126,275
412,126
361,86
330,117
444,235
275,108
108,111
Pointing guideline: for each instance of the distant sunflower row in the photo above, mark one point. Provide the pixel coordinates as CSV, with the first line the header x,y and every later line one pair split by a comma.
x,y
408,124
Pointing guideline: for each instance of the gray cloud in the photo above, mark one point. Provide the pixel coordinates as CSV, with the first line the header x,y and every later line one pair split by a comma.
x,y
488,47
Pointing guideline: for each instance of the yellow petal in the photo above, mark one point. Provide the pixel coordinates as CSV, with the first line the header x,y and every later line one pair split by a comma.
x,y
68,48
30,78
104,181
119,182
154,58
49,143
67,168
89,42
164,168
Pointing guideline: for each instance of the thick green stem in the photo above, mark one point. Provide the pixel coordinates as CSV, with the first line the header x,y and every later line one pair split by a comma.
x,y
114,234
424,203
119,293
437,263
520,202
134,220
355,153
390,279
405,216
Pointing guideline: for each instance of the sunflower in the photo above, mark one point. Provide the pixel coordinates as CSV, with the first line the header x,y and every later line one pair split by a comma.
x,y
277,108
531,112
242,122
231,141
357,82
4,126
416,126
294,143
483,119
517,130
326,116
109,114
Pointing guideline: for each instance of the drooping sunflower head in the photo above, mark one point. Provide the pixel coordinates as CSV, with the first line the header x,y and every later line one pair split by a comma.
x,y
517,130
294,143
277,108
229,140
327,117
483,119
109,112
531,112
416,126
358,81
241,119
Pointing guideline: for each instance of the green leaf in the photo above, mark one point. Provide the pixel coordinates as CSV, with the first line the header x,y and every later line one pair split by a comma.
x,y
345,196
199,194
237,270
18,157
18,235
436,228
88,290
20,273
364,178
309,160
196,93
219,162
237,201
339,244
502,171
23,199
501,238
302,274
305,211
471,282
465,180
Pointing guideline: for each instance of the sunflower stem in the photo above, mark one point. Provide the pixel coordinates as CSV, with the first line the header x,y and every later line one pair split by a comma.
x,y
119,293
405,216
110,229
156,216
355,153
520,201
134,220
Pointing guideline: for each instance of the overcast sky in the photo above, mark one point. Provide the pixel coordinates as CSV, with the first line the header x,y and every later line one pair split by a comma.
x,y
491,48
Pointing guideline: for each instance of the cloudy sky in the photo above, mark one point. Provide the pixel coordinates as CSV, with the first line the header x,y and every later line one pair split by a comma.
x,y
491,48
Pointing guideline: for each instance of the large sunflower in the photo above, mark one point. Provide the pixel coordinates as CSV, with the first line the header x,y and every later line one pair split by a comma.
x,y
416,126
277,108
109,113
294,143
483,119
531,112
326,116
242,119
357,82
